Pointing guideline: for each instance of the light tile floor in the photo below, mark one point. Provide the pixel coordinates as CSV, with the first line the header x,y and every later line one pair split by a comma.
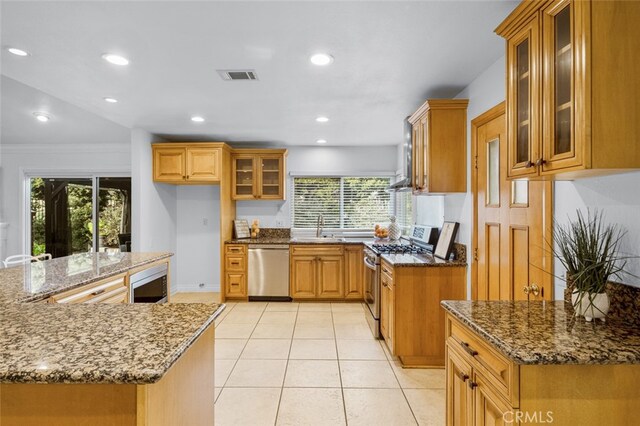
x,y
313,364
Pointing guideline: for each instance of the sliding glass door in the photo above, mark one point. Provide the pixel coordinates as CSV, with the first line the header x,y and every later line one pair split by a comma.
x,y
79,214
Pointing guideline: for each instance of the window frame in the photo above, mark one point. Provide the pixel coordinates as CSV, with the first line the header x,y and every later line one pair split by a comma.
x,y
292,176
25,214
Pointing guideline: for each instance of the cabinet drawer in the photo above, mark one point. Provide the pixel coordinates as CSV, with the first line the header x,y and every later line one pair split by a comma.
x,y
316,250
236,285
386,269
499,371
92,291
119,295
236,249
236,264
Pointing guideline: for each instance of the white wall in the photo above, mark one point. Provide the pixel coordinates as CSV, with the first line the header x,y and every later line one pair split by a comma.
x,y
154,206
320,160
198,238
617,198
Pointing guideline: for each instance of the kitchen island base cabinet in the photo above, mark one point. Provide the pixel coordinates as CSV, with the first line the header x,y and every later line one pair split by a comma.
x,y
184,395
484,387
411,320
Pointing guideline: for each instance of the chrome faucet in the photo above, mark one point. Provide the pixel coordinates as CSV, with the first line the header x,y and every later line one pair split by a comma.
x,y
319,225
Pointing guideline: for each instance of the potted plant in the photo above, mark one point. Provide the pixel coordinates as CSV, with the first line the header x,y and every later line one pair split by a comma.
x,y
588,248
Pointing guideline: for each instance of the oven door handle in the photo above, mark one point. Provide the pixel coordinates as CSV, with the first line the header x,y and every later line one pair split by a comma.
x,y
370,265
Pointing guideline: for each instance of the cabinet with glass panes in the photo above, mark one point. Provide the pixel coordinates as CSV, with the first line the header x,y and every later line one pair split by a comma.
x,y
258,174
572,93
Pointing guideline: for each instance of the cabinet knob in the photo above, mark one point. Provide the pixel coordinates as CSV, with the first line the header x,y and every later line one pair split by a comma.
x,y
473,385
529,164
540,162
462,376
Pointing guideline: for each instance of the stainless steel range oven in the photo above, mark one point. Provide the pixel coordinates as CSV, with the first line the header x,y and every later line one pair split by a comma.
x,y
372,289
149,285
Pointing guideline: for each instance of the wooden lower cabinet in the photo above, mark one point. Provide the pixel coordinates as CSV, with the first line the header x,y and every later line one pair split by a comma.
x,y
111,290
183,396
411,319
316,272
484,387
387,311
354,271
235,264
330,277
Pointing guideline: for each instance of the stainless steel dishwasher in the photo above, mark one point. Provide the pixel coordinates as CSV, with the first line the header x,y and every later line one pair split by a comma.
x,y
269,272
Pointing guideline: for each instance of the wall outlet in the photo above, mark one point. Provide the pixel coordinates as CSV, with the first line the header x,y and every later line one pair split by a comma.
x,y
201,285
205,221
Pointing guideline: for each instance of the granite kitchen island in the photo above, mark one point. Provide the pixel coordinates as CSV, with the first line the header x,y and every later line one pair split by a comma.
x,y
536,363
101,364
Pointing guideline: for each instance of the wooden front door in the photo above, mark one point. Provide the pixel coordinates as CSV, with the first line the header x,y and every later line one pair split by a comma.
x,y
512,221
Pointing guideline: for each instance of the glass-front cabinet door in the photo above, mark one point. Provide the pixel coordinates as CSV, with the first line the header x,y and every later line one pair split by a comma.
x,y
271,177
561,66
244,177
523,66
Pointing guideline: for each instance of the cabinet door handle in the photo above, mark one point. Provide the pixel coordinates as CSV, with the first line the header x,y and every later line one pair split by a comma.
x,y
462,376
468,349
472,385
97,292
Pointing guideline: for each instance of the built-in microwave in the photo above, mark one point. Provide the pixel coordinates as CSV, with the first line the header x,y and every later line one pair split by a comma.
x,y
150,285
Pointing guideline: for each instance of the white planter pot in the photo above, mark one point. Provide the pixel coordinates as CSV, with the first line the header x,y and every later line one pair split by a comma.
x,y
591,305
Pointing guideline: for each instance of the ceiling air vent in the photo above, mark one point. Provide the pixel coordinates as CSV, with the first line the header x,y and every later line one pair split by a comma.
x,y
238,74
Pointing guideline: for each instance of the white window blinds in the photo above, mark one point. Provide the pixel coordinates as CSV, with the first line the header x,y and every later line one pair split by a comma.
x,y
404,211
344,202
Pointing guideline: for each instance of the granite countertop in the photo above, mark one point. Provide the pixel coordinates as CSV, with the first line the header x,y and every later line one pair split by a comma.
x,y
97,343
419,260
548,333
279,240
40,280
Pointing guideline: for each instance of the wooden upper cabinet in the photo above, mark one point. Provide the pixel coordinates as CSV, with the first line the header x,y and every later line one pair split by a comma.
x,y
187,163
169,164
203,164
258,174
440,146
572,94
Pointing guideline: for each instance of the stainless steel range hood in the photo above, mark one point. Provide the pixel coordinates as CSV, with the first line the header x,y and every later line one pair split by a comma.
x,y
405,183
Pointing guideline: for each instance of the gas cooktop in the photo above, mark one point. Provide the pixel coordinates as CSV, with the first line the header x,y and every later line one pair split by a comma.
x,y
393,248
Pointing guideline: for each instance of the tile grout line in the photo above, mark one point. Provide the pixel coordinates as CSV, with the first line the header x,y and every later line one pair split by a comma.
x,y
243,348
400,385
286,368
335,341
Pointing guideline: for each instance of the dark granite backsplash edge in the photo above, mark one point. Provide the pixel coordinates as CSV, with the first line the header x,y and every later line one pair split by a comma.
x,y
624,301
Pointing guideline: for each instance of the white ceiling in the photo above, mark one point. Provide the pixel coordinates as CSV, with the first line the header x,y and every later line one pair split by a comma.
x,y
389,57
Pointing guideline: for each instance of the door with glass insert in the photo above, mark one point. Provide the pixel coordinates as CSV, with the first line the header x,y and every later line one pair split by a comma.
x,y
244,177
271,177
561,63
523,93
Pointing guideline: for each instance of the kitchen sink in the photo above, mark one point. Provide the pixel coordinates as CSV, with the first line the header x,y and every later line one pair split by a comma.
x,y
318,240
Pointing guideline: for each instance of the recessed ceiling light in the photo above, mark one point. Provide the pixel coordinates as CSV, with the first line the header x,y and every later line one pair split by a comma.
x,y
18,52
322,119
110,100
321,141
40,116
115,59
321,59
197,119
